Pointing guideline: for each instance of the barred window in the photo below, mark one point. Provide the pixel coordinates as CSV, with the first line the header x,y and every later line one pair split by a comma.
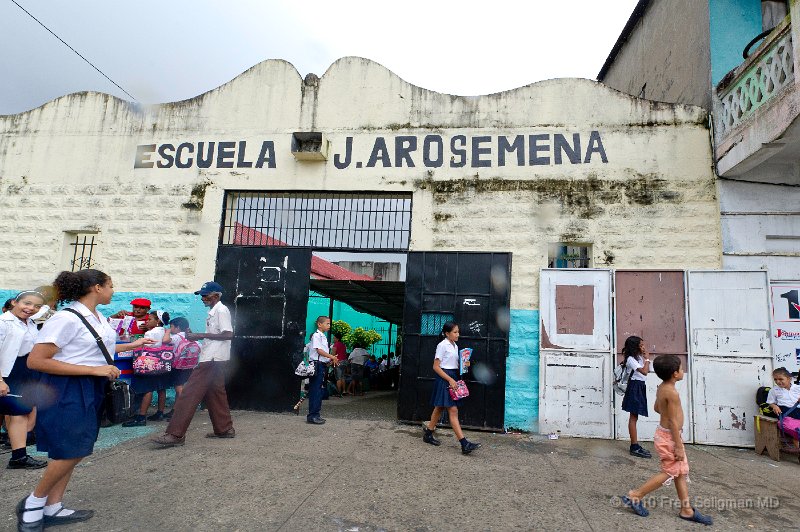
x,y
569,255
80,250
320,220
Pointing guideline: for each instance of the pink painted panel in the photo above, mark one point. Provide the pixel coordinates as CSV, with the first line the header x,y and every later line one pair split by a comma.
x,y
651,304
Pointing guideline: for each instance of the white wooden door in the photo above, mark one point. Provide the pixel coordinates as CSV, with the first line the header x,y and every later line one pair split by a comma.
x,y
575,353
730,352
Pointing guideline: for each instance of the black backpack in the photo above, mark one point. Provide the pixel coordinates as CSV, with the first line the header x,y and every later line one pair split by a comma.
x,y
761,400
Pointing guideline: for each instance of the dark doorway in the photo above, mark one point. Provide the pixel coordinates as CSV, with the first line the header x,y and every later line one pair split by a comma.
x,y
267,292
473,289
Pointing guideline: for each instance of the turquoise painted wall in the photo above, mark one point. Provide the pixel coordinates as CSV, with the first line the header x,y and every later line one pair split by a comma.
x,y
522,371
187,305
734,23
320,306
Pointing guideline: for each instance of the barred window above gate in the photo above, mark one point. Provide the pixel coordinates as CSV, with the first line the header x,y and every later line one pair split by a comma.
x,y
320,220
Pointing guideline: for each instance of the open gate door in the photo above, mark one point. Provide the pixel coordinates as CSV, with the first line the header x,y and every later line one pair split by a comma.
x,y
575,356
730,352
267,293
472,289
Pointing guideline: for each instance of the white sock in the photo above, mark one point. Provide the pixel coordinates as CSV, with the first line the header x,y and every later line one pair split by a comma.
x,y
52,509
34,502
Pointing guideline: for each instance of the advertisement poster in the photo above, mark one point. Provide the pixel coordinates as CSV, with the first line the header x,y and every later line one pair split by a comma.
x,y
786,325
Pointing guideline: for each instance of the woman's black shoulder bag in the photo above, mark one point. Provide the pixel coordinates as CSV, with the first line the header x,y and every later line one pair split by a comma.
x,y
117,402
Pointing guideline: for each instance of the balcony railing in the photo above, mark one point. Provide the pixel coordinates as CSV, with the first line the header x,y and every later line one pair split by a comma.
x,y
763,75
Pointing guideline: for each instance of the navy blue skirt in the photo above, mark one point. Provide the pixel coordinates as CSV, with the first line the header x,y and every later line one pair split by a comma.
x,y
151,383
180,376
68,419
22,381
635,398
441,395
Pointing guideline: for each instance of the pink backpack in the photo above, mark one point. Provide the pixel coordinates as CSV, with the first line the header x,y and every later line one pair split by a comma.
x,y
187,354
153,360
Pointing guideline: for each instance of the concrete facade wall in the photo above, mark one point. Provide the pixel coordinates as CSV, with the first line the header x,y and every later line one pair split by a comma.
x,y
669,51
639,188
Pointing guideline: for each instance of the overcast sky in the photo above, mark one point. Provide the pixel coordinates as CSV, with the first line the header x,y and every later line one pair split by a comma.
x,y
169,50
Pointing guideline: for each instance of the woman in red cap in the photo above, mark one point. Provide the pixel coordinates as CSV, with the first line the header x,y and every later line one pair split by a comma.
x,y
141,307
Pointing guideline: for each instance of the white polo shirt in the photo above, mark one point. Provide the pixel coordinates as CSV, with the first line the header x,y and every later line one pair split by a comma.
x,y
218,321
783,397
75,343
447,353
319,341
16,340
634,363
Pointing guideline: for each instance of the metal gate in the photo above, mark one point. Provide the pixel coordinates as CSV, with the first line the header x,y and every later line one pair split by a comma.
x,y
652,305
575,356
730,352
267,292
473,289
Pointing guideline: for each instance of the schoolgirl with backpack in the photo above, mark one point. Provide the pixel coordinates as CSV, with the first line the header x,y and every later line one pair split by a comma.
x,y
187,354
637,366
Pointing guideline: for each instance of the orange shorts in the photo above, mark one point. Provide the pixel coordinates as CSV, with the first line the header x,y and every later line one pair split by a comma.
x,y
665,448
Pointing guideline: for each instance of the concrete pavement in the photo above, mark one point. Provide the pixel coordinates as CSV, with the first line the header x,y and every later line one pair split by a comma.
x,y
364,472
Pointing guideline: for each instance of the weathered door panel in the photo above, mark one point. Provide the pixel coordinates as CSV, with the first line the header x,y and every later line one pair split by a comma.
x,y
724,398
729,313
474,290
730,353
652,305
575,307
575,397
267,292
575,394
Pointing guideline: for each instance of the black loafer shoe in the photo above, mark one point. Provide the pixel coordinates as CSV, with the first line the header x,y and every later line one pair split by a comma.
x,y
428,437
469,447
22,526
316,421
75,517
26,462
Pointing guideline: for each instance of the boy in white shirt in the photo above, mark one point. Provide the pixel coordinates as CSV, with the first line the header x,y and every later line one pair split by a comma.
x,y
784,395
321,356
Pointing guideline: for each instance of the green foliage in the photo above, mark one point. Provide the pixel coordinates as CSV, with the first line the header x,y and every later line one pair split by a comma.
x,y
361,337
340,328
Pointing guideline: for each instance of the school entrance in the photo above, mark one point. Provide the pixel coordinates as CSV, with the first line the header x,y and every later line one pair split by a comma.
x,y
276,247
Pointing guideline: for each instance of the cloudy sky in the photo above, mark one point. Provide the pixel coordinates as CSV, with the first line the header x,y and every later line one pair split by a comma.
x,y
169,50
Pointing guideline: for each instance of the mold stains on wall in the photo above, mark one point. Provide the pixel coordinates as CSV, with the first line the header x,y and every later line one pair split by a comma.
x,y
198,195
586,198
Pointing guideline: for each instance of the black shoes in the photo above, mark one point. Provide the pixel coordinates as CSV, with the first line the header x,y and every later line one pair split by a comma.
x,y
26,462
468,446
428,437
316,421
75,517
158,416
639,451
138,421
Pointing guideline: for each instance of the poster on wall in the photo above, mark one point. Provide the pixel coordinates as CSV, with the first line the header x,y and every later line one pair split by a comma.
x,y
786,325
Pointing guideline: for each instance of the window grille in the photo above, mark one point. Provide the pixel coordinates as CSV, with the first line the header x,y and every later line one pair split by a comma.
x,y
432,323
81,249
325,221
567,255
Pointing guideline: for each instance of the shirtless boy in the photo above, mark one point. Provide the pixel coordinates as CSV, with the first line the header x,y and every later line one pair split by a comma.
x,y
669,445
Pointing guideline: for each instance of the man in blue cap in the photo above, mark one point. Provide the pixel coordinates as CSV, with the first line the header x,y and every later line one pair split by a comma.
x,y
207,382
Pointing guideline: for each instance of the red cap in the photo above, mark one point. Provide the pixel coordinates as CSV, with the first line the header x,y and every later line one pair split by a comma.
x,y
141,302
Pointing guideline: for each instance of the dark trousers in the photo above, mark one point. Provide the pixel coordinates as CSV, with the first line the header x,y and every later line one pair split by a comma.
x,y
207,384
795,413
315,390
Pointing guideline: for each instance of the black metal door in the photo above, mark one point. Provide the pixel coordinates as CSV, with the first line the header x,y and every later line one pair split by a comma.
x,y
473,289
267,292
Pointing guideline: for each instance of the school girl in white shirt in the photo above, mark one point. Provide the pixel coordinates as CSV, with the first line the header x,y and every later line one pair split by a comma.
x,y
445,365
18,333
74,372
637,363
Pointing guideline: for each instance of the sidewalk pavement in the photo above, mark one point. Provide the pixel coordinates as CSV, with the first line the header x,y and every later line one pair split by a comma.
x,y
368,474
